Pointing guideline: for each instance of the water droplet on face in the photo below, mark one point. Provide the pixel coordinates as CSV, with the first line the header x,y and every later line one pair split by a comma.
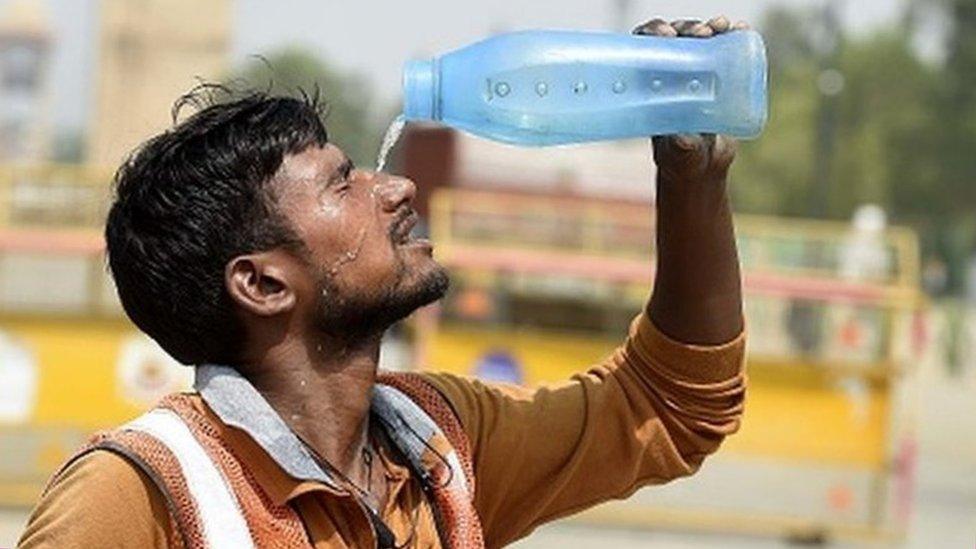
x,y
579,88
657,85
542,89
619,86
694,86
351,254
502,89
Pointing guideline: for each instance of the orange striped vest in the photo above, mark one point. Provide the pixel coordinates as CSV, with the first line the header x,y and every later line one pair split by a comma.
x,y
213,498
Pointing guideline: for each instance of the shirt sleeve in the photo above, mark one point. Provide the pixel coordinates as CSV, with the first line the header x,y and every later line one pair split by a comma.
x,y
100,500
650,412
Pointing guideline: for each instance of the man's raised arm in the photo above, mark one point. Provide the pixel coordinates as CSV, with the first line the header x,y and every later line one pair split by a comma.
x,y
697,288
660,403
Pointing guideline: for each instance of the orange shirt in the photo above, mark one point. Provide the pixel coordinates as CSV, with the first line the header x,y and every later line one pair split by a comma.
x,y
650,412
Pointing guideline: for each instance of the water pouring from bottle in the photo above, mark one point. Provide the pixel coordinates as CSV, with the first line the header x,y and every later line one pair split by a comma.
x,y
390,138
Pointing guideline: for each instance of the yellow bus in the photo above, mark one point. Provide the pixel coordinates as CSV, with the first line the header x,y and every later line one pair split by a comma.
x,y
545,285
542,287
70,360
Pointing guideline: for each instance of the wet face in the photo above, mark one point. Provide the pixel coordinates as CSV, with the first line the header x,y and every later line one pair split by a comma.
x,y
363,270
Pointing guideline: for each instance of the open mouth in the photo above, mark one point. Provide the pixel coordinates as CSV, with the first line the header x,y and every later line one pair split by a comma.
x,y
403,228
401,233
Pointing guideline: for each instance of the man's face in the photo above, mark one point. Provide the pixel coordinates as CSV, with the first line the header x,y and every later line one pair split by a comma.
x,y
364,270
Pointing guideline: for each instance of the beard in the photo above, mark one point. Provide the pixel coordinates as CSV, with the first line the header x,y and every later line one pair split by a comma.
x,y
350,317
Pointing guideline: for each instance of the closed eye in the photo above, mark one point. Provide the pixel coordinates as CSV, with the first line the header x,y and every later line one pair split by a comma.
x,y
346,169
340,177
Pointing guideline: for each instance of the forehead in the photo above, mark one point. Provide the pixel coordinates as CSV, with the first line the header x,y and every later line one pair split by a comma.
x,y
312,163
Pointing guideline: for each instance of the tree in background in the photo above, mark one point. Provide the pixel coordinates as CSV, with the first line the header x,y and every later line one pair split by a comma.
x,y
350,117
867,120
773,175
881,96
955,117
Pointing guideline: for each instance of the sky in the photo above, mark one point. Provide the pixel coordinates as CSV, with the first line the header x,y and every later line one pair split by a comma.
x,y
375,38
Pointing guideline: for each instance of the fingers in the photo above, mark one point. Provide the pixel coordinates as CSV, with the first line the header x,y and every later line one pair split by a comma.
x,y
708,144
724,150
702,30
694,157
692,28
718,147
656,27
689,141
719,24
680,144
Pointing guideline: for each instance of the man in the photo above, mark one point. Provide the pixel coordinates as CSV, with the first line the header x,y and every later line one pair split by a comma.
x,y
245,243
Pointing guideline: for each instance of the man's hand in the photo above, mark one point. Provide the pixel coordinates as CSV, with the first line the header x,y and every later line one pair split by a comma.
x,y
682,159
697,289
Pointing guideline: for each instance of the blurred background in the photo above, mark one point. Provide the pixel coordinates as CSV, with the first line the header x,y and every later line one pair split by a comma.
x,y
856,226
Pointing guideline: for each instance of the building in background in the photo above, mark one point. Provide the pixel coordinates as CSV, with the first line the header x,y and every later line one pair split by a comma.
x,y
614,170
436,157
149,53
55,295
25,46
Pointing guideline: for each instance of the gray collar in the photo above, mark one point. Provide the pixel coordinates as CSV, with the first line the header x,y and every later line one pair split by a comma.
x,y
238,404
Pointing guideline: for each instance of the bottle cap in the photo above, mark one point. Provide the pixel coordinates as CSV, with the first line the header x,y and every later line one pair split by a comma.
x,y
419,85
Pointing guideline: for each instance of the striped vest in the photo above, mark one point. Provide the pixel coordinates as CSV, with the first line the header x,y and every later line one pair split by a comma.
x,y
215,502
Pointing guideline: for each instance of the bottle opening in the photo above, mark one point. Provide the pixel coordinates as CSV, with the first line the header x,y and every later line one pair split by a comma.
x,y
419,85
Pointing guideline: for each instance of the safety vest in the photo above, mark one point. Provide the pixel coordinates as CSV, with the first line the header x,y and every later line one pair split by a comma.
x,y
215,502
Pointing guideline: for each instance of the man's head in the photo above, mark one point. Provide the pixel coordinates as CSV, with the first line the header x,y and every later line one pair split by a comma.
x,y
245,220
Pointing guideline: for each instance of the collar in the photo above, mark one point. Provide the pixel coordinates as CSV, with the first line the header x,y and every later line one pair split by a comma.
x,y
238,404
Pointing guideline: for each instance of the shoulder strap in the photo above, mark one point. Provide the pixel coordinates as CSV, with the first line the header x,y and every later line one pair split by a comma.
x,y
203,510
270,523
440,411
137,449
220,515
213,498
416,410
203,507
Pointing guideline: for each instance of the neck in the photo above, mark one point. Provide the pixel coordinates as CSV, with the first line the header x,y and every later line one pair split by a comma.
x,y
322,389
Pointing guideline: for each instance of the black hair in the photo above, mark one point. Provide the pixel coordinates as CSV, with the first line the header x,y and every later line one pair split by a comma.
x,y
189,200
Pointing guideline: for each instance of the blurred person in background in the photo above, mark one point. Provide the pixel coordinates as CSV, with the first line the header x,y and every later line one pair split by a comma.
x,y
249,246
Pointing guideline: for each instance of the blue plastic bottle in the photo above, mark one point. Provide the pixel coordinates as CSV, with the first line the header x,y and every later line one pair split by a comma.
x,y
553,87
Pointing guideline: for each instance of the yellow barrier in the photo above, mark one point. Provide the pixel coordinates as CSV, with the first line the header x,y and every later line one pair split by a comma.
x,y
70,361
545,286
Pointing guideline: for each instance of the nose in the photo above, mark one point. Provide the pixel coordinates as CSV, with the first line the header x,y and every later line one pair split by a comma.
x,y
394,192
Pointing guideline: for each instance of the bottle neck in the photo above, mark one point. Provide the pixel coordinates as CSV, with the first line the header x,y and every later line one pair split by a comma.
x,y
420,87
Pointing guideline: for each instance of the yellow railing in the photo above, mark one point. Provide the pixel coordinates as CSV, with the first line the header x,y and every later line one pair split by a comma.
x,y
830,340
53,196
624,230
51,243
797,272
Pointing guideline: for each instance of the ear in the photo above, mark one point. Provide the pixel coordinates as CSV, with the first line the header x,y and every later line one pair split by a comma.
x,y
260,283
